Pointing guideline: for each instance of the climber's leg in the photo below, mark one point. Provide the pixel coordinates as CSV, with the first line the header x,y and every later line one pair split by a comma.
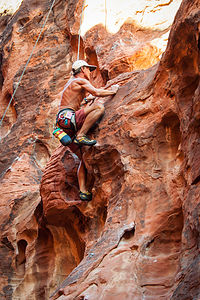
x,y
82,177
93,113
82,174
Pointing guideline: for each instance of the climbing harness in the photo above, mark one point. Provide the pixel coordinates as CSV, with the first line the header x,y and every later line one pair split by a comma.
x,y
27,64
66,119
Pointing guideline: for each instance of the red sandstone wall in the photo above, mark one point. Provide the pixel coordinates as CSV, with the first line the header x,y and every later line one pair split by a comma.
x,y
139,237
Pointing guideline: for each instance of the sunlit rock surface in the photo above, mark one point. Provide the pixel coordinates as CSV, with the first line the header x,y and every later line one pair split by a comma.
x,y
139,236
128,35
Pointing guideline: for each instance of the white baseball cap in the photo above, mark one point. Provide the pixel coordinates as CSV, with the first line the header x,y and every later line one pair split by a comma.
x,y
81,63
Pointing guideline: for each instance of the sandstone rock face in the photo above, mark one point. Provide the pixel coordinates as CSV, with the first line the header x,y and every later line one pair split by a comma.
x,y
128,39
139,236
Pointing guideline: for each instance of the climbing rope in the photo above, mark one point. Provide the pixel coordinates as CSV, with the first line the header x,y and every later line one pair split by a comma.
x,y
105,15
81,18
26,64
79,36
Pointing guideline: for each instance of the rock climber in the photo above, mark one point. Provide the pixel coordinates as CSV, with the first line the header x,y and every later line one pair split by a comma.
x,y
77,114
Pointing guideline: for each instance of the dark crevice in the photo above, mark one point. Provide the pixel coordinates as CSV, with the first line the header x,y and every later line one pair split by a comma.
x,y
199,42
38,213
171,124
149,243
152,285
21,257
83,298
23,21
170,94
128,234
105,76
197,179
7,243
8,97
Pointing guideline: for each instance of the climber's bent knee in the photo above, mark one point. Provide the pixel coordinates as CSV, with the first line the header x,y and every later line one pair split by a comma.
x,y
94,107
101,108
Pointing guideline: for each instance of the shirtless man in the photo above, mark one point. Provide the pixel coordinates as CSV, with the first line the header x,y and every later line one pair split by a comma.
x,y
73,123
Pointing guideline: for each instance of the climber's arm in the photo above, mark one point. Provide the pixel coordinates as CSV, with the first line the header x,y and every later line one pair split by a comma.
x,y
90,97
98,92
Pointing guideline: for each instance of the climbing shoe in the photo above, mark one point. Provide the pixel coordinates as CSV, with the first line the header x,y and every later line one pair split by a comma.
x,y
84,141
87,196
63,137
